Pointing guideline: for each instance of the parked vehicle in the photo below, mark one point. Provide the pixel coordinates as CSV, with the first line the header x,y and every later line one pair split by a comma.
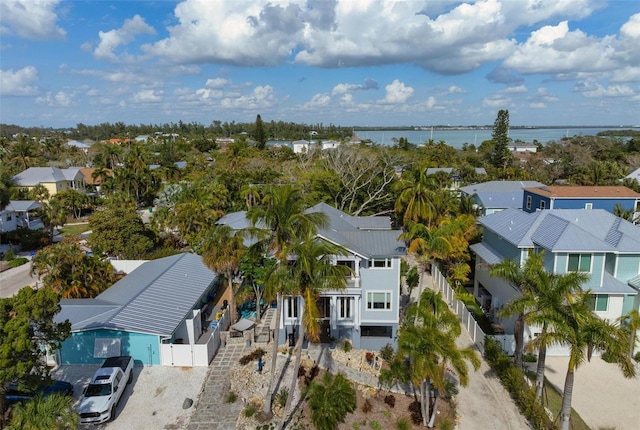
x,y
14,393
100,398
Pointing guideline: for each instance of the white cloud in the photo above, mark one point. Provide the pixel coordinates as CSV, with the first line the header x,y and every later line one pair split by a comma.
x,y
261,97
18,82
455,39
397,92
318,100
113,39
369,84
454,89
147,96
496,101
537,105
217,83
517,89
30,19
595,90
58,99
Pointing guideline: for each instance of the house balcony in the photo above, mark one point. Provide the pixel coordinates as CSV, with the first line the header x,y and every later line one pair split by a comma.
x,y
30,223
353,281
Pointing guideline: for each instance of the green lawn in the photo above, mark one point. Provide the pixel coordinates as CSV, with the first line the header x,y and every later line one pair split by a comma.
x,y
553,401
73,229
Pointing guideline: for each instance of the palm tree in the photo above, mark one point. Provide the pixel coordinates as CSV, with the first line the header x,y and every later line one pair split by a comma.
x,y
52,214
330,400
222,250
53,412
415,197
430,345
584,332
277,222
523,277
631,324
308,274
549,292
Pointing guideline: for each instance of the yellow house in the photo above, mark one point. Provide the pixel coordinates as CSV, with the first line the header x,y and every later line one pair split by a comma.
x,y
53,179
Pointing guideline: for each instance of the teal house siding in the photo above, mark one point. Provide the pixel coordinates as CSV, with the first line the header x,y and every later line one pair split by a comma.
x,y
628,304
628,267
505,248
597,268
79,347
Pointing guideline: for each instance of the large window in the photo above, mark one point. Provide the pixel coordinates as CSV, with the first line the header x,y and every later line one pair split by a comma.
x,y
543,204
376,331
579,263
381,263
379,300
600,302
344,308
292,307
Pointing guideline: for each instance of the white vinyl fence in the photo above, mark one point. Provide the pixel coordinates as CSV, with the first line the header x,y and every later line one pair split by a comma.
x,y
198,354
466,318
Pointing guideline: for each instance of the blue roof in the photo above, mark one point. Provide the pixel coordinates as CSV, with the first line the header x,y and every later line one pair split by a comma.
x,y
568,230
499,186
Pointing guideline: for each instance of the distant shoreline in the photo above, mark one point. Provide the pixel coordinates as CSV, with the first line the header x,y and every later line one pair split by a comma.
x,y
490,127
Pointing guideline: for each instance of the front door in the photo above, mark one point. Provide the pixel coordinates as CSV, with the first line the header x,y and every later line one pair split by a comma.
x,y
324,308
325,331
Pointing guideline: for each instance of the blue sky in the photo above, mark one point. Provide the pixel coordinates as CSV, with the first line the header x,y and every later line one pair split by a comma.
x,y
346,62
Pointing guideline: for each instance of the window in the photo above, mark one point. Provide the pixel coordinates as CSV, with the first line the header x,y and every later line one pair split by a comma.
x,y
599,302
579,263
528,202
543,204
379,300
380,263
9,217
344,307
588,206
292,307
376,331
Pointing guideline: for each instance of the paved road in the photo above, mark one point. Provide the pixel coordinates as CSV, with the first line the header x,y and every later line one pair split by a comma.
x,y
14,279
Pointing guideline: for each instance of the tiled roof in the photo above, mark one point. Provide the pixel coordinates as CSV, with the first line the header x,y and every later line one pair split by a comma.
x,y
578,192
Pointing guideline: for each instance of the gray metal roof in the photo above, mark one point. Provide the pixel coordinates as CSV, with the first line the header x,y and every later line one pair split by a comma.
x,y
498,186
611,285
565,230
487,253
501,200
23,205
37,175
155,298
367,236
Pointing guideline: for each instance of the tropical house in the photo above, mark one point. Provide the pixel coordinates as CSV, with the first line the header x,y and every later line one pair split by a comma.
x,y
20,214
157,314
367,311
494,196
580,197
593,241
52,178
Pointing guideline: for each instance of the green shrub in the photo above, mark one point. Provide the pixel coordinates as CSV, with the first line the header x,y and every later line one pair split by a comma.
x,y
346,345
514,382
530,358
446,424
18,262
387,352
10,255
330,399
403,424
375,425
637,357
281,397
608,357
231,397
250,410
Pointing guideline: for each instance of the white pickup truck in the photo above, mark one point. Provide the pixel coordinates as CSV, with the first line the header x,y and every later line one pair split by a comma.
x,y
99,399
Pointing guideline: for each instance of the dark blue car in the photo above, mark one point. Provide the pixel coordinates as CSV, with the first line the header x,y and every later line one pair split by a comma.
x,y
14,395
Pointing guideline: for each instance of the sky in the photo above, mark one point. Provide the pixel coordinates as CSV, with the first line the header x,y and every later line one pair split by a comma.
x,y
341,62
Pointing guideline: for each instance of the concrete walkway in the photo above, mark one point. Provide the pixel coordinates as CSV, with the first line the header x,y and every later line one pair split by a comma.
x,y
484,403
212,410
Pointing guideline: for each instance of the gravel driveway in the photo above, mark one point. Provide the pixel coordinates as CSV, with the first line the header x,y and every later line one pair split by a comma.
x,y
152,401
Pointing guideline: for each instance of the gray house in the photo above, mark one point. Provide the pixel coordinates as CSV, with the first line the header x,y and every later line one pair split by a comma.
x,y
367,312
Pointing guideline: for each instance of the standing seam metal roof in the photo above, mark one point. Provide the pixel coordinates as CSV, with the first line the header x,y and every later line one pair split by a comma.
x,y
155,298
